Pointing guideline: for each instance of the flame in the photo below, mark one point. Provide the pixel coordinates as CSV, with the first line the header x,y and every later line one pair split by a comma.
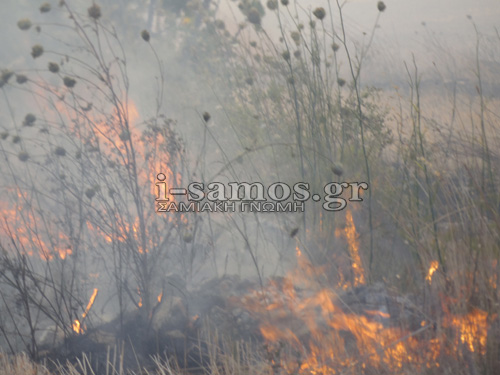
x,y
351,237
160,296
21,225
352,240
140,297
472,330
91,302
309,329
432,269
77,325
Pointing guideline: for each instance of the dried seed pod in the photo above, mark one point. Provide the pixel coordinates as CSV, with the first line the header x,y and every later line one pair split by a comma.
x,y
53,67
94,11
60,151
254,16
24,24
125,135
29,120
21,78
90,192
36,51
206,116
319,13
272,4
145,35
6,75
23,156
295,37
69,82
381,6
45,7
338,170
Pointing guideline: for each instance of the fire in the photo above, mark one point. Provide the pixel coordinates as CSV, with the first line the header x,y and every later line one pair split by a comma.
x,y
472,329
351,236
352,240
91,302
432,269
20,225
77,325
310,329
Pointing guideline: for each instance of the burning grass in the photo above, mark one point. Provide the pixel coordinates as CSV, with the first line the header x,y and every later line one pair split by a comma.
x,y
354,302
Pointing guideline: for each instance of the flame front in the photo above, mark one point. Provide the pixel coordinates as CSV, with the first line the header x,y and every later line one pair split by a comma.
x,y
310,329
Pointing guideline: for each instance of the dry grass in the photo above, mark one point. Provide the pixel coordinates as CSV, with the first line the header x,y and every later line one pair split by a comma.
x,y
20,365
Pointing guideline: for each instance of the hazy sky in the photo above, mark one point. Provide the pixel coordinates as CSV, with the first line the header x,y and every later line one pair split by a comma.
x,y
432,30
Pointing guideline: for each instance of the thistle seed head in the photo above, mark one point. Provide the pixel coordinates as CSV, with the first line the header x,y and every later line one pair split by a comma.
x,y
29,120
338,170
53,67
319,13
94,11
69,82
24,24
36,51
23,156
21,78
60,151
254,16
272,4
6,75
145,35
45,7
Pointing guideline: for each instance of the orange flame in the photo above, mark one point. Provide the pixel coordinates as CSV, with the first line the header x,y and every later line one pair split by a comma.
x,y
323,335
77,325
160,296
432,269
352,240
